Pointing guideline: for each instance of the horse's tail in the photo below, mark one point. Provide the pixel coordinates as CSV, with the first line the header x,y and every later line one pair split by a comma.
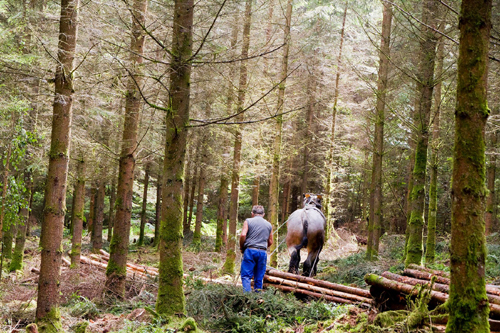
x,y
305,225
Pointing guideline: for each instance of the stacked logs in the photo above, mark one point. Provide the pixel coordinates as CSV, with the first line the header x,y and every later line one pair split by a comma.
x,y
316,288
388,289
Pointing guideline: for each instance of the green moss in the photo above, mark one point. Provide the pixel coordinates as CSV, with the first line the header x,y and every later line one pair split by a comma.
x,y
51,323
189,325
81,327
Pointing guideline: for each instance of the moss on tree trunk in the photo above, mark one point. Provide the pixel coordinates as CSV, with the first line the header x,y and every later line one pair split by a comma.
x,y
468,304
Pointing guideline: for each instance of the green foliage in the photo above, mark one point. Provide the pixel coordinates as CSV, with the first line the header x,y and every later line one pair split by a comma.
x,y
82,307
352,269
226,308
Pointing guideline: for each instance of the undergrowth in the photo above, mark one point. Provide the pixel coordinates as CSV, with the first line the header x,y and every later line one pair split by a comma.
x,y
225,308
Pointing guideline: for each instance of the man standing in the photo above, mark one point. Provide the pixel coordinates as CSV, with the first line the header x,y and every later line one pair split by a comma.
x,y
256,236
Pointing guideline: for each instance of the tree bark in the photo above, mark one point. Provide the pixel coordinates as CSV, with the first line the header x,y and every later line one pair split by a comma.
x,y
144,205
77,218
221,212
112,202
47,311
91,218
468,303
99,214
255,190
159,185
170,299
201,193
375,221
311,93
425,87
433,198
17,257
278,127
116,272
235,178
329,172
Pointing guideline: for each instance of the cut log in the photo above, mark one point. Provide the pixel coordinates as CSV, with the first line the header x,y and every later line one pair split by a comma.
x,y
66,261
139,268
130,274
379,281
428,270
316,289
444,288
313,294
426,276
319,283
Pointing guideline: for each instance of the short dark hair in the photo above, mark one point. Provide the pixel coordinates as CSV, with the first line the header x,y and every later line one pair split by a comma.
x,y
258,210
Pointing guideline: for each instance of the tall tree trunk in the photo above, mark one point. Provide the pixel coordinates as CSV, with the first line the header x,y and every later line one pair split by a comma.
x,y
278,127
187,186
255,190
311,93
47,311
221,211
99,214
77,217
17,257
468,304
235,179
425,87
433,198
116,270
201,193
159,185
91,219
5,236
112,202
375,222
329,172
194,173
144,205
170,292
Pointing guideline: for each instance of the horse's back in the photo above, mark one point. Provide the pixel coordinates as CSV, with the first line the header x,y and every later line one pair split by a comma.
x,y
295,226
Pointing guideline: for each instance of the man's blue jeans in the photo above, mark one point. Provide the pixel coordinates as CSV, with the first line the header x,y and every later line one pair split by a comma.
x,y
253,265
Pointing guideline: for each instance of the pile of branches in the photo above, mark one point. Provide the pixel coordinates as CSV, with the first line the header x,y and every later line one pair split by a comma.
x,y
320,289
390,290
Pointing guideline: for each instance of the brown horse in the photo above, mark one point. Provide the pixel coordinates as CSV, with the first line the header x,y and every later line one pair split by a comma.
x,y
306,229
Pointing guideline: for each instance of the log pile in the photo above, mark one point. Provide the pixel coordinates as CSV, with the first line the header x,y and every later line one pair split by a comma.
x,y
316,288
388,288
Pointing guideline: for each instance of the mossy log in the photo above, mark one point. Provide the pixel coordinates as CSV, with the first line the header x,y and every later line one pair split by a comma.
x,y
444,288
314,294
316,289
319,283
384,283
428,270
427,276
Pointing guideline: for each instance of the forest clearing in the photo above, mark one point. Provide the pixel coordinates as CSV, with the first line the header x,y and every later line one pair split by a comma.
x,y
249,166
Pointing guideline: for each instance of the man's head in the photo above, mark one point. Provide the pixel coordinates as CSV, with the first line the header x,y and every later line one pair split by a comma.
x,y
257,210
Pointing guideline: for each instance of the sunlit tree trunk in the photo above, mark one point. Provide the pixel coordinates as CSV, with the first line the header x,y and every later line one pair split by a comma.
x,y
255,190
425,87
468,305
170,298
433,197
77,218
116,269
144,205
329,173
47,311
278,127
235,179
375,222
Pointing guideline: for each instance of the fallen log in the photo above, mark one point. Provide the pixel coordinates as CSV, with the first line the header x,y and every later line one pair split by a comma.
x,y
316,289
313,294
427,276
379,281
428,270
444,288
139,268
319,283
102,266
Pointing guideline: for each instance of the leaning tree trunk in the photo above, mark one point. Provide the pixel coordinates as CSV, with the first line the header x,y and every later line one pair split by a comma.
x,y
329,172
425,87
468,304
433,198
116,270
278,127
77,218
170,299
47,312
375,221
235,179
144,205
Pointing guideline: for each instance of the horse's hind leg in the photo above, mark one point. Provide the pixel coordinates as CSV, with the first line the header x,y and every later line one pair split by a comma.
x,y
294,259
311,264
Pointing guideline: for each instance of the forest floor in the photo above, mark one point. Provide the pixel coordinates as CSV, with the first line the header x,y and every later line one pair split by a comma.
x,y
217,307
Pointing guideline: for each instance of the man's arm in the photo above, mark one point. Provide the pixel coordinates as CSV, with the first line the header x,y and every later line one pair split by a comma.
x,y
243,236
270,240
